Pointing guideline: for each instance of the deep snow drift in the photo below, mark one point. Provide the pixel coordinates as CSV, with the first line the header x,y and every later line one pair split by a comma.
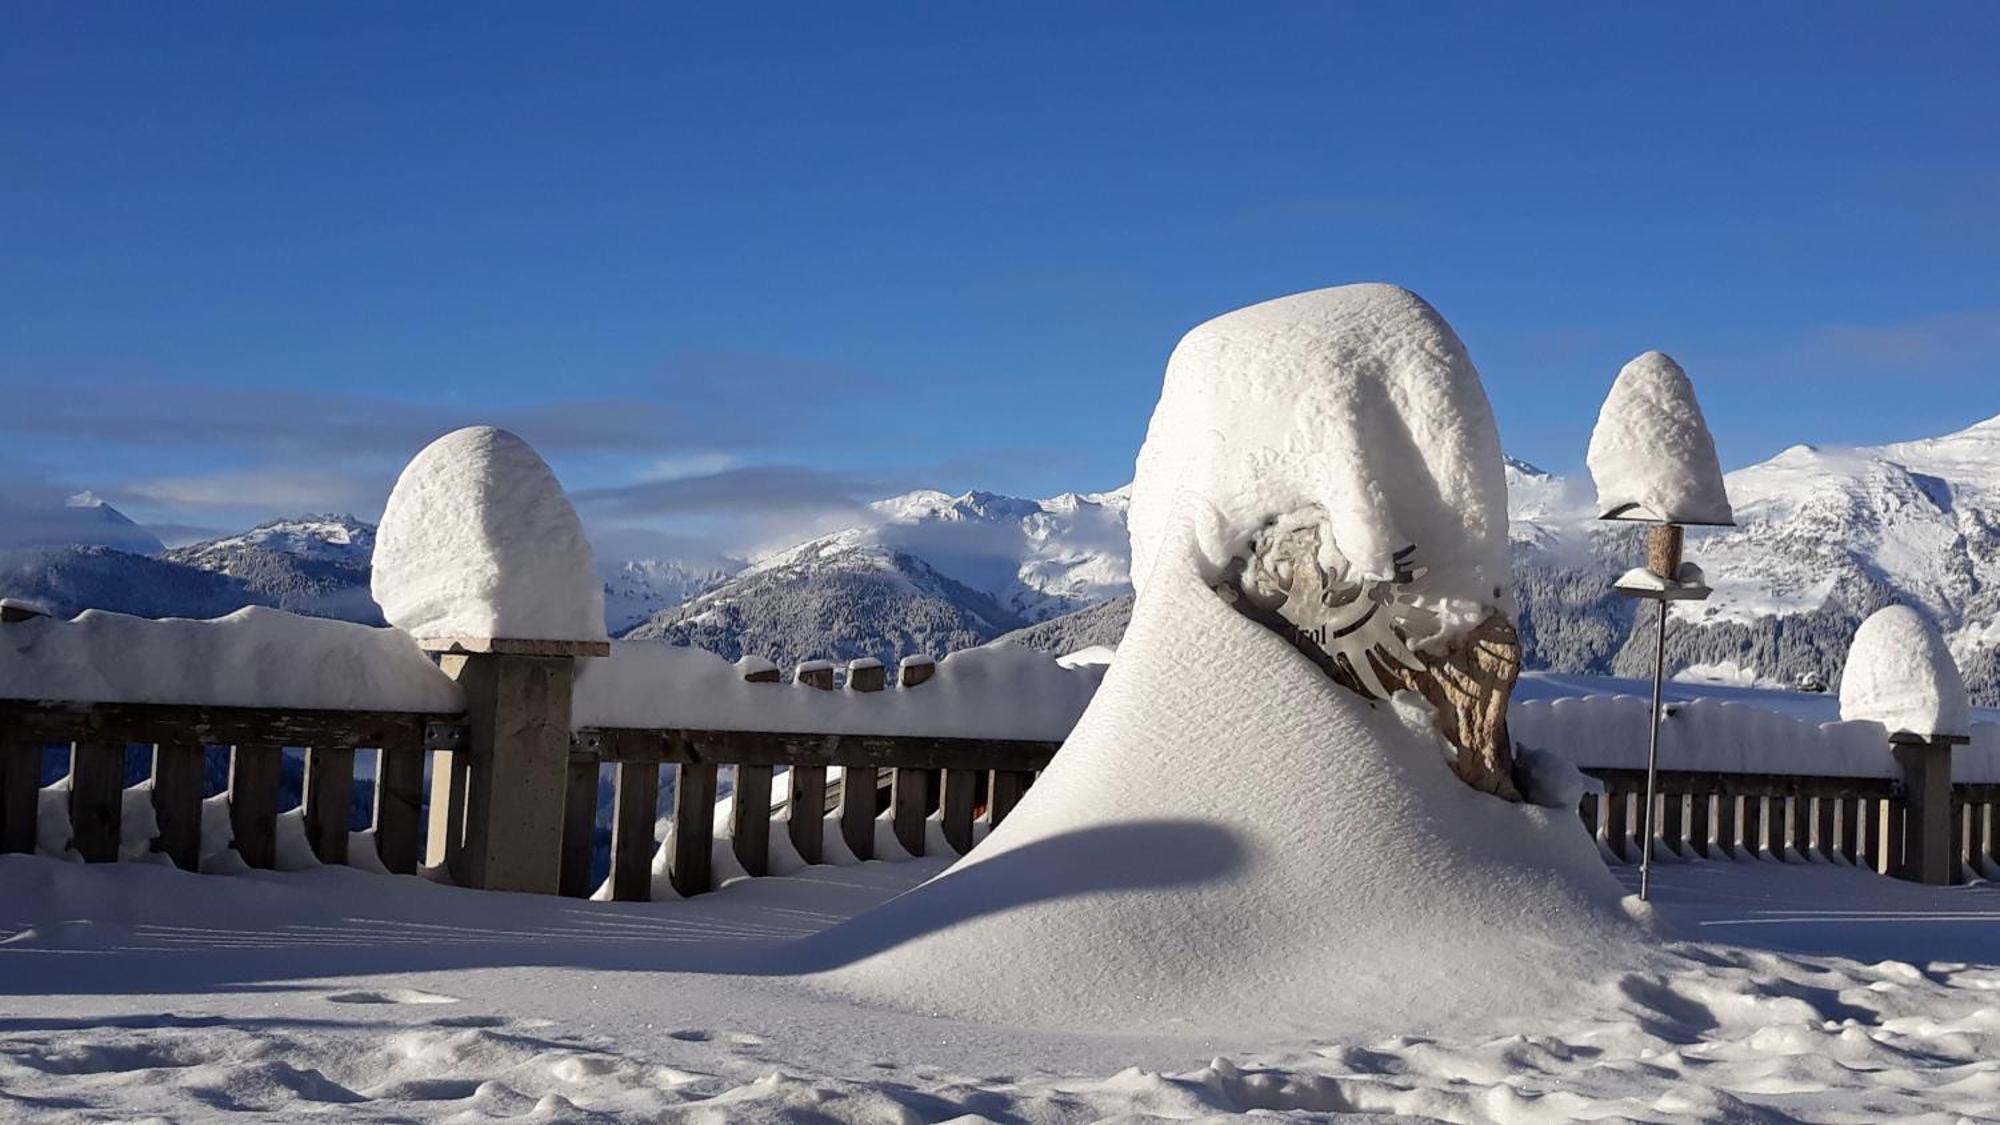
x,y
1900,674
1651,454
1229,837
478,540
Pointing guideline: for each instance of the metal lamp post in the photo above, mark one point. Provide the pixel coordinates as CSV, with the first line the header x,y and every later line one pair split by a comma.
x,y
1654,462
1665,578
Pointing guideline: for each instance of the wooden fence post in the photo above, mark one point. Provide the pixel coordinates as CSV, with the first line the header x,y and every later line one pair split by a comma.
x,y
579,839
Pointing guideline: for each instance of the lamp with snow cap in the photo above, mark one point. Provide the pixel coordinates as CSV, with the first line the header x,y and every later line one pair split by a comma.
x,y
1654,462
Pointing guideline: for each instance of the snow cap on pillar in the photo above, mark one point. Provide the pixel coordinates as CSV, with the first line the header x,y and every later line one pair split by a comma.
x,y
478,541
1900,674
1651,454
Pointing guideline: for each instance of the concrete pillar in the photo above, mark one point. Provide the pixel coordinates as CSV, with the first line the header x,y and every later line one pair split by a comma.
x,y
1922,854
497,801
517,711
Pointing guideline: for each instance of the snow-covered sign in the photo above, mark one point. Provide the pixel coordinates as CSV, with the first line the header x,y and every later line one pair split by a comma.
x,y
1651,454
1900,674
479,542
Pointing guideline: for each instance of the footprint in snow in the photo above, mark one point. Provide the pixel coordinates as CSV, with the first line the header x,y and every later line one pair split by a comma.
x,y
391,996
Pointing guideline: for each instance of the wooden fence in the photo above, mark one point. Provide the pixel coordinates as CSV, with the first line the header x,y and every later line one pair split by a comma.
x,y
961,780
98,737
1859,821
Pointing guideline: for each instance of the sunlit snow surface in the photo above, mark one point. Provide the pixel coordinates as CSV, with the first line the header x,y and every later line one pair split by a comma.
x,y
1811,992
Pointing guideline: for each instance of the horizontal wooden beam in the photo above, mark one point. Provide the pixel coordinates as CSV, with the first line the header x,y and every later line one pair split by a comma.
x,y
1706,782
123,723
779,748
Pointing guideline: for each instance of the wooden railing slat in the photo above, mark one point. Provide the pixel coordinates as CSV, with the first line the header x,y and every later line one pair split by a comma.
x,y
579,836
635,810
750,818
253,803
785,748
857,810
1698,825
961,792
20,792
689,864
1726,821
122,723
399,803
1008,788
806,812
96,799
328,796
177,783
908,800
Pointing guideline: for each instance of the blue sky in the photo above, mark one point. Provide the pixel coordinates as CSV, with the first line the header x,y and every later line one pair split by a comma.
x,y
735,270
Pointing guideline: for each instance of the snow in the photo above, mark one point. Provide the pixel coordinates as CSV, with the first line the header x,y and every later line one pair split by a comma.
x,y
1900,674
1355,405
1797,992
1229,837
255,657
1000,691
1651,454
1601,723
478,540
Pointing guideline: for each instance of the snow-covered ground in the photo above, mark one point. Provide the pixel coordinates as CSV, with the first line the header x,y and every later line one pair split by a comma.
x,y
134,990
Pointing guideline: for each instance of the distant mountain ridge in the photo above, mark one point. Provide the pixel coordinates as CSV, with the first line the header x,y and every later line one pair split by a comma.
x,y
934,574
1826,536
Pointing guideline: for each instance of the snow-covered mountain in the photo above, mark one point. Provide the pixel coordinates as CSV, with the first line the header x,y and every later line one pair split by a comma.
x,y
83,520
935,572
1826,536
330,538
636,591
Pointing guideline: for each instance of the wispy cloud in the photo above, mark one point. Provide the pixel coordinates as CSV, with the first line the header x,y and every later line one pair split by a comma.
x,y
284,489
763,489
180,416
1947,344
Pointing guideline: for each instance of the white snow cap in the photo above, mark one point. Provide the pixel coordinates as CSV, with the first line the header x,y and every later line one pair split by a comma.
x,y
1900,674
1358,401
1651,454
479,541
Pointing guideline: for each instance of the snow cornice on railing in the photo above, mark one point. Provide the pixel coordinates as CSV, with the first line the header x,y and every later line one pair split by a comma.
x,y
1002,692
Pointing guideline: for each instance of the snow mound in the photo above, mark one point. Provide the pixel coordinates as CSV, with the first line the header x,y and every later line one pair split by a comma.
x,y
1900,674
255,657
1229,836
1359,401
1651,454
478,540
